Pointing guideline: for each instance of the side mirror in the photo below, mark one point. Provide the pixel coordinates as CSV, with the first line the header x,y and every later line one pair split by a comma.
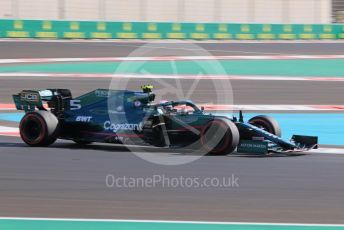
x,y
202,108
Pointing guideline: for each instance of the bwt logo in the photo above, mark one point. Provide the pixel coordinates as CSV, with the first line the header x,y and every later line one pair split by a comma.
x,y
83,118
103,93
30,97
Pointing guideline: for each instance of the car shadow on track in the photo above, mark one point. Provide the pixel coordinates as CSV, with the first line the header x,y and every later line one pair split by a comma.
x,y
143,149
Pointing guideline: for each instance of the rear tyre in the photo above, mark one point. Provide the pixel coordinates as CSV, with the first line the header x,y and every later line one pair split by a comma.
x,y
39,128
220,137
267,123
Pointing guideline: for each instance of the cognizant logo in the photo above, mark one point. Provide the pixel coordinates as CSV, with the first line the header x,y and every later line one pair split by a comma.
x,y
124,126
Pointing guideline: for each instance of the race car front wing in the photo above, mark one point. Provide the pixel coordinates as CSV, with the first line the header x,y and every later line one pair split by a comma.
x,y
270,143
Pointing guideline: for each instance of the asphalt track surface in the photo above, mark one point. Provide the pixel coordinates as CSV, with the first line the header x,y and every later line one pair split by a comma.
x,y
67,180
77,49
242,92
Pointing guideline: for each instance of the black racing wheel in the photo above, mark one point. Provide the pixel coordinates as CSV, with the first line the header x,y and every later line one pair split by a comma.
x,y
220,137
267,123
39,128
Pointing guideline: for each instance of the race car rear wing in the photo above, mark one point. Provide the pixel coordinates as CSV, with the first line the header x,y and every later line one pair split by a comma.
x,y
29,100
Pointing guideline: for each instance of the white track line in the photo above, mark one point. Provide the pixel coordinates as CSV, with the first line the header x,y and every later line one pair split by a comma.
x,y
9,131
172,222
226,107
170,58
187,77
10,134
336,151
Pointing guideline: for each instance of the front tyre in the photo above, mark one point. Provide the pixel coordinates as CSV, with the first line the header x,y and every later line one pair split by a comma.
x,y
39,128
220,137
267,123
